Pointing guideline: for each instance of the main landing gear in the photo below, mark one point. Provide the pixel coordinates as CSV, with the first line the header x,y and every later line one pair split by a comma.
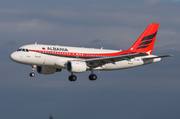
x,y
72,77
92,77
32,74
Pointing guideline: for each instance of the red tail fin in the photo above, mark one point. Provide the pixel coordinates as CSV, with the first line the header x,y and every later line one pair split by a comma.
x,y
145,42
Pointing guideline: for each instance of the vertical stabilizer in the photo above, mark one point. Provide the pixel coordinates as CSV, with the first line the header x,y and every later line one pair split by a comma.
x,y
145,42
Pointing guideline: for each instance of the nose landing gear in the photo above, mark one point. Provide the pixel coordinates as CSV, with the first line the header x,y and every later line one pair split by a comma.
x,y
32,74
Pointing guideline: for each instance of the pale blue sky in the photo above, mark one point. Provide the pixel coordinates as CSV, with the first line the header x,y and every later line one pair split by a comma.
x,y
145,92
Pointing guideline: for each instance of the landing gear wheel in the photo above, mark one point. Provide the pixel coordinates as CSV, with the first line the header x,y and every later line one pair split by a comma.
x,y
72,78
92,77
32,74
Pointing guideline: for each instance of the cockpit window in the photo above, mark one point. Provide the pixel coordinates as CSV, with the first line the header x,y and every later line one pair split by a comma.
x,y
19,49
24,50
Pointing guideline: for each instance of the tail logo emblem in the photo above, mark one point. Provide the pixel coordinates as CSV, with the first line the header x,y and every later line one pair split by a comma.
x,y
146,41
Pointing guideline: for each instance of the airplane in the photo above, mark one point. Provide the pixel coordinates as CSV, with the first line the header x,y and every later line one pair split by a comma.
x,y
53,58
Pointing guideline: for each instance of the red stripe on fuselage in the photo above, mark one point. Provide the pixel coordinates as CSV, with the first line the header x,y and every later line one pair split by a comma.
x,y
82,54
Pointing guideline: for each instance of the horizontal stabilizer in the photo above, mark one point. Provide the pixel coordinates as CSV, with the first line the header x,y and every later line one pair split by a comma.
x,y
157,57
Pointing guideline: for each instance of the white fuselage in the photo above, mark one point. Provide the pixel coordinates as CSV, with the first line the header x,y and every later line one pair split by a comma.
x,y
58,56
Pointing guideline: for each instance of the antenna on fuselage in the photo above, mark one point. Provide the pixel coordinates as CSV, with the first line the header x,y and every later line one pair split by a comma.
x,y
35,43
101,48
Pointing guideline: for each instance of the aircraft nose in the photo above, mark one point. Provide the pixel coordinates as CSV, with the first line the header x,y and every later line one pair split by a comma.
x,y
14,56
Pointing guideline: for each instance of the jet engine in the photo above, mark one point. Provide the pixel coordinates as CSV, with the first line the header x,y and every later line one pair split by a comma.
x,y
47,70
76,66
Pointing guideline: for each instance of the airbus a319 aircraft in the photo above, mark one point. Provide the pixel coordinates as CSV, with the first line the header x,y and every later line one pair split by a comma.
x,y
53,58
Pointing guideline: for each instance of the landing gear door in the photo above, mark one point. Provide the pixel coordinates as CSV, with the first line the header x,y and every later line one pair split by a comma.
x,y
37,54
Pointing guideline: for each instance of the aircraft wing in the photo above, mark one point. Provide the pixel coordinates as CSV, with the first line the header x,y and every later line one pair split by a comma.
x,y
96,62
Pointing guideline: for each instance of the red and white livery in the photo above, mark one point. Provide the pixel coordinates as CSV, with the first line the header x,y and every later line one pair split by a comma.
x,y
53,58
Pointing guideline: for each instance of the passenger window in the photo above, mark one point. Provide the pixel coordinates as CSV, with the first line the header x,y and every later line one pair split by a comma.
x,y
27,50
23,50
